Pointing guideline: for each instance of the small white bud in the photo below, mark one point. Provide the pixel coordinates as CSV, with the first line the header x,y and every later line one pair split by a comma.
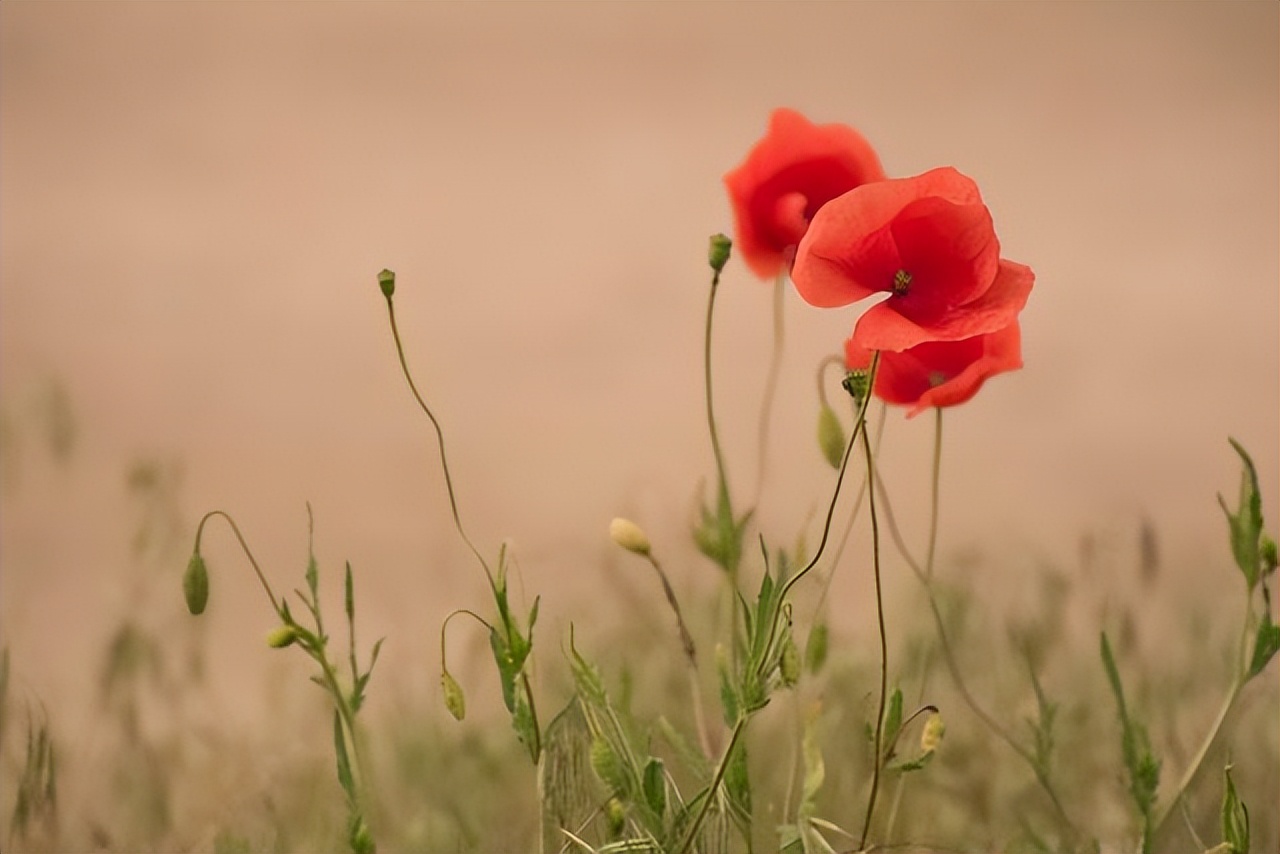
x,y
628,535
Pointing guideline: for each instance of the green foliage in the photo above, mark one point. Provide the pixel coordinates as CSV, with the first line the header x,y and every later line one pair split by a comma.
x,y
1235,817
37,797
1139,760
1245,524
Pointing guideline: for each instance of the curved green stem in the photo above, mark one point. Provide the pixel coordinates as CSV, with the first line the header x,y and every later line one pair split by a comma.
x,y
473,615
884,643
444,460
722,486
859,427
1187,776
1233,691
692,833
275,604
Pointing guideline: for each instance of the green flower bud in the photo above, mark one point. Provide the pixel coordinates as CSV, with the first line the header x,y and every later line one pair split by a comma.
x,y
606,764
454,700
615,815
387,281
932,734
830,436
195,584
282,636
855,382
719,251
1267,550
628,535
789,662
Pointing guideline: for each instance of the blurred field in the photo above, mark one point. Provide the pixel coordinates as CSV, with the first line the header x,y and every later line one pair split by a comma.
x,y
195,200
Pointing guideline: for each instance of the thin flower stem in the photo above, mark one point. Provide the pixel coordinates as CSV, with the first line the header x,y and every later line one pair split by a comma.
x,y
444,460
771,383
692,833
933,492
275,604
884,643
686,639
722,488
853,517
473,615
859,428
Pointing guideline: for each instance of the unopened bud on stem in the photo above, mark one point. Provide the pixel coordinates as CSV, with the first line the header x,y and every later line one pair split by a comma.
x,y
628,535
387,281
718,254
195,584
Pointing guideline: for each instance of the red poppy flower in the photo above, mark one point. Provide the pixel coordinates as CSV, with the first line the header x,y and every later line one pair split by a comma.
x,y
929,243
939,373
791,172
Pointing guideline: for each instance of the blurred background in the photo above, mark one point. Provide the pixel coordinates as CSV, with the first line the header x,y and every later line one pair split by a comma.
x,y
196,200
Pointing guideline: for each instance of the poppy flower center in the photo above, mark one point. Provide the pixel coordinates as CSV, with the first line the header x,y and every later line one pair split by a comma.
x,y
901,283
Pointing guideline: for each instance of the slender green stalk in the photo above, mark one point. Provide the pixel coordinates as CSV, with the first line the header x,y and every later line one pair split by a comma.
x,y
722,487
933,491
692,833
859,428
884,643
771,383
275,605
444,460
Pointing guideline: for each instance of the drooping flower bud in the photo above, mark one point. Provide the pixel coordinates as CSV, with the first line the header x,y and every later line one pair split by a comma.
x,y
454,700
282,636
830,436
718,254
932,734
628,535
387,281
195,584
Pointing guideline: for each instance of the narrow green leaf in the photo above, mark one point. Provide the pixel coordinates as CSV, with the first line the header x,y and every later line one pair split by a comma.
x,y
1265,645
816,646
892,722
1235,817
654,785
1245,524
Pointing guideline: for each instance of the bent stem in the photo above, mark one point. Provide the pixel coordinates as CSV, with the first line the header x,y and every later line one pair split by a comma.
x,y
771,383
235,529
884,644
859,428
1238,680
690,655
444,460
722,489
